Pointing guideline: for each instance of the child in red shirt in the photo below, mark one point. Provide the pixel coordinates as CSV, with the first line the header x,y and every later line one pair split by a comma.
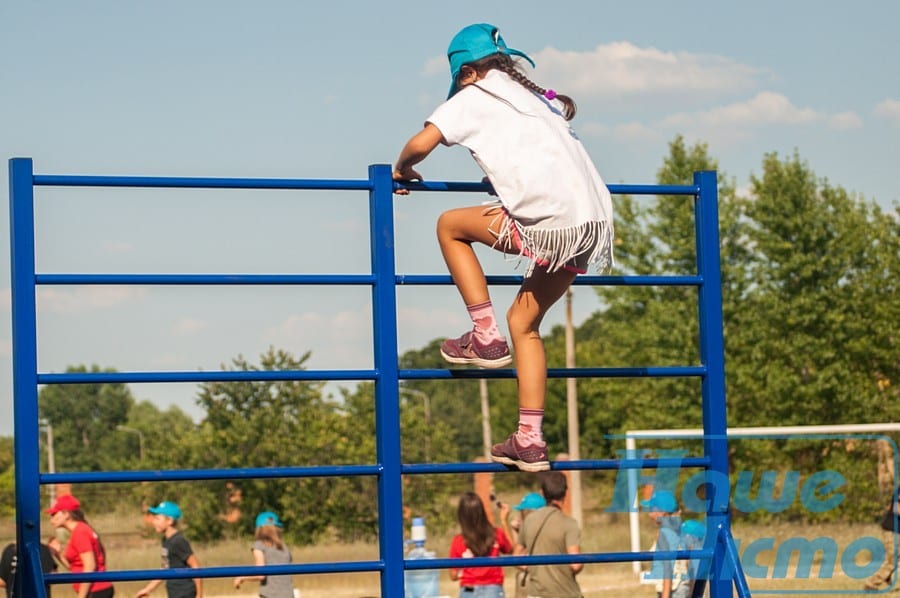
x,y
84,552
478,539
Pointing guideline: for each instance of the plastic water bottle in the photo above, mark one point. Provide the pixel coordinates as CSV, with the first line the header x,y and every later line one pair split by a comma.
x,y
420,583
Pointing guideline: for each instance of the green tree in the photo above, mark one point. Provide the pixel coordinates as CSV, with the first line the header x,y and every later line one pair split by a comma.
x,y
816,336
650,326
7,477
84,419
273,423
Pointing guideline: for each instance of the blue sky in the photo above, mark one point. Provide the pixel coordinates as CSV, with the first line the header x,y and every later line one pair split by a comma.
x,y
310,90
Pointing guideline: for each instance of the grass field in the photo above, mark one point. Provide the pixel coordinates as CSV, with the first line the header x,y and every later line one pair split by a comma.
x,y
128,548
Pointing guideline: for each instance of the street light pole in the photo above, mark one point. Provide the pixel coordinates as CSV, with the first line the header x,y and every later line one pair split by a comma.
x,y
485,419
140,439
426,405
572,412
51,459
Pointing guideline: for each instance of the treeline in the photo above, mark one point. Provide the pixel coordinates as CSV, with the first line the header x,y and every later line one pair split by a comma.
x,y
812,325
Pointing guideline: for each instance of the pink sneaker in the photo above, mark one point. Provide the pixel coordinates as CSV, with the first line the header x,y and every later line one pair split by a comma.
x,y
467,350
527,458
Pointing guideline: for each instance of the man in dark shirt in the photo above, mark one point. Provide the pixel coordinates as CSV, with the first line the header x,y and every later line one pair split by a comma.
x,y
8,563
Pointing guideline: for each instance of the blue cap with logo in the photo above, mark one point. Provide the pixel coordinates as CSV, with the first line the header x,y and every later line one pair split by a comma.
x,y
474,43
268,518
530,502
662,500
167,508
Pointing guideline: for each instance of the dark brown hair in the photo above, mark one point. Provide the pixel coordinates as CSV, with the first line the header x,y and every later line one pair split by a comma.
x,y
505,63
553,485
477,532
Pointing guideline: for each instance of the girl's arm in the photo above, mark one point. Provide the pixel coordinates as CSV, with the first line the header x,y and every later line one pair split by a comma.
x,y
57,551
90,565
416,150
194,563
259,560
148,589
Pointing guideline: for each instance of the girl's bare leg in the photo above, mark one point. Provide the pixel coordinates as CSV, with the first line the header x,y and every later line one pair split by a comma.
x,y
538,293
456,231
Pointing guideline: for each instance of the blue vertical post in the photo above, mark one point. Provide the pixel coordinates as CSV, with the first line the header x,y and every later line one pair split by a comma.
x,y
24,349
712,355
387,406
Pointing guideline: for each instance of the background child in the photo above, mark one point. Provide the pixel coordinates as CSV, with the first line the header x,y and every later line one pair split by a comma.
x,y
478,538
662,508
554,210
84,552
176,554
269,549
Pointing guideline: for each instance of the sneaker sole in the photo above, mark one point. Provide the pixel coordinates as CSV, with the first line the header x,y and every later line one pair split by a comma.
x,y
523,465
482,363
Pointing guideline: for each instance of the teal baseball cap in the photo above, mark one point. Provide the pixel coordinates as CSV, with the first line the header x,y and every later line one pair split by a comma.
x,y
530,502
662,500
167,508
474,43
268,518
694,528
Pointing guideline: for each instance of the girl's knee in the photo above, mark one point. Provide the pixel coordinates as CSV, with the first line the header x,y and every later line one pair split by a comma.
x,y
522,322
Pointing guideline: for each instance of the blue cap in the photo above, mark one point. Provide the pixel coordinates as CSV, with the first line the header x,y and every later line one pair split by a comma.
x,y
474,43
694,528
167,508
268,518
662,500
530,502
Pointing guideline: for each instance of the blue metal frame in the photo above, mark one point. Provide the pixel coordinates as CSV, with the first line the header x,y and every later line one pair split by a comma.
x,y
386,374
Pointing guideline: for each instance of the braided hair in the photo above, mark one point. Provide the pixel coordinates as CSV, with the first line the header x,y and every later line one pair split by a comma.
x,y
505,63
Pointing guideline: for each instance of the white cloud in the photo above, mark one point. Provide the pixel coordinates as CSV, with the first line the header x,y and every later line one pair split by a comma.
x,y
843,121
188,326
636,131
81,299
730,123
889,110
764,109
624,68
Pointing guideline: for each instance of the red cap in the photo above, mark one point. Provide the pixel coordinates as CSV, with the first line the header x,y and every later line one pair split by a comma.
x,y
66,502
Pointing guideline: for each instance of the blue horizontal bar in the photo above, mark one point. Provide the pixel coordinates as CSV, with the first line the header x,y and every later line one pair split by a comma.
x,y
201,376
559,559
370,566
485,188
207,279
444,279
624,372
260,376
208,572
62,180
321,471
177,475
58,180
582,465
337,279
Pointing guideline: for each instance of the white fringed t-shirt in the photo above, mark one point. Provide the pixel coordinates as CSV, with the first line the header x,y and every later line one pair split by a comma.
x,y
558,205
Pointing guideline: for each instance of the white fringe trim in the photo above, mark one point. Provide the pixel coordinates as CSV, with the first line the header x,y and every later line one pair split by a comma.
x,y
590,242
